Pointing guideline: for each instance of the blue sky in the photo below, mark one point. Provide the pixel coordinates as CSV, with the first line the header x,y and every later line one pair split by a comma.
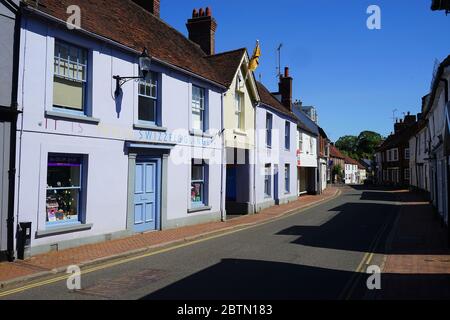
x,y
354,76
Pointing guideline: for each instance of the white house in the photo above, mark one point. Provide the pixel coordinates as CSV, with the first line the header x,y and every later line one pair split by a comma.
x,y
418,155
351,171
276,161
96,163
437,117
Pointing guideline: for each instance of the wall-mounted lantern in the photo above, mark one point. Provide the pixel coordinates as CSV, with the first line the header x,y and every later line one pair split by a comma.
x,y
145,62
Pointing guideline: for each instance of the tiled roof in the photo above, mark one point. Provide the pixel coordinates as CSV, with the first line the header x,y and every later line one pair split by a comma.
x,y
401,137
127,23
335,152
226,64
268,99
351,161
436,84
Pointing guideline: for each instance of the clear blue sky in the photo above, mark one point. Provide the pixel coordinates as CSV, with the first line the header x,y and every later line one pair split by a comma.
x,y
354,76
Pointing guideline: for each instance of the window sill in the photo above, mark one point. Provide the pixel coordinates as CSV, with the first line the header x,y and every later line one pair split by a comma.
x,y
62,230
68,116
240,132
141,126
198,133
198,209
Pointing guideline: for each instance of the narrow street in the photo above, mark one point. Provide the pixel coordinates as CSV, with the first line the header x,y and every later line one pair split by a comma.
x,y
310,255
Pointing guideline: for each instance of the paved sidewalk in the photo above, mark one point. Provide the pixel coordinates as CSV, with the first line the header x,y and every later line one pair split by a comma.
x,y
43,264
417,261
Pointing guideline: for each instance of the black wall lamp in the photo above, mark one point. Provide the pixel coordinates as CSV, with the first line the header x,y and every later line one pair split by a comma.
x,y
145,62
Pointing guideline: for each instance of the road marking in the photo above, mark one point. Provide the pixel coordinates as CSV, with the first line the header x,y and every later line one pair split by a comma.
x,y
367,258
145,255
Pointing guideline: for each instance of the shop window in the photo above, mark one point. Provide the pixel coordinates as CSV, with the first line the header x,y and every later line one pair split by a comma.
x,y
148,99
70,77
198,108
198,183
64,189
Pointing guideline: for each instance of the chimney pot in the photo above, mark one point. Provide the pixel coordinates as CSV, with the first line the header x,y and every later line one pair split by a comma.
x,y
285,89
202,29
194,13
286,72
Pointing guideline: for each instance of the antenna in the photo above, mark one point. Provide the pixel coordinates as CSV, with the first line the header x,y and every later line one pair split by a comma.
x,y
279,60
393,115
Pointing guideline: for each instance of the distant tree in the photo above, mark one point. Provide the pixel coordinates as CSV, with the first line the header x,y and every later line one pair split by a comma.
x,y
367,143
361,146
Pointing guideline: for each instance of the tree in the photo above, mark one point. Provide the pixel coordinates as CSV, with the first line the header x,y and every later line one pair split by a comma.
x,y
361,146
367,143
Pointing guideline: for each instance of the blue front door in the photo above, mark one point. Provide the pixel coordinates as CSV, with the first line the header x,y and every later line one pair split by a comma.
x,y
146,196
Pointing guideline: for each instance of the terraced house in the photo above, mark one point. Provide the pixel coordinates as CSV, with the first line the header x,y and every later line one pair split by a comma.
x,y
102,155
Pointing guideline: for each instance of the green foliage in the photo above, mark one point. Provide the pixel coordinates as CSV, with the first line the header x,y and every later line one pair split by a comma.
x,y
361,146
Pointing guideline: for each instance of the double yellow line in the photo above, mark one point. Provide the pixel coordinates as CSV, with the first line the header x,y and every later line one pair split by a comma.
x,y
365,262
149,254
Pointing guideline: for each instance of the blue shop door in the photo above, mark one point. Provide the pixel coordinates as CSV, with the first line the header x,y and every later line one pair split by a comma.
x,y
145,199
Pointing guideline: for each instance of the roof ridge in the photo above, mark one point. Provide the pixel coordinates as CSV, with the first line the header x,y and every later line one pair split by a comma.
x,y
226,52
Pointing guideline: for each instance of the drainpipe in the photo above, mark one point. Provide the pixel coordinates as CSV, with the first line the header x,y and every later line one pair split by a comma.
x,y
222,211
255,146
13,134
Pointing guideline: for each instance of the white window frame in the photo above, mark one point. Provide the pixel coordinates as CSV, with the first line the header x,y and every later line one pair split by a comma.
x,y
151,83
198,105
239,109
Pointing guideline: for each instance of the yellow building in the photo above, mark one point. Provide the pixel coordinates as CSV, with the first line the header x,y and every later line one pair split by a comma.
x,y
239,129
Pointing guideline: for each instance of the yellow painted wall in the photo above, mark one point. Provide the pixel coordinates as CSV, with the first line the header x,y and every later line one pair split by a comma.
x,y
235,138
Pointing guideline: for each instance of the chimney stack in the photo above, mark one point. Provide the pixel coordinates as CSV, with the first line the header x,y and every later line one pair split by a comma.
x,y
285,89
151,6
202,29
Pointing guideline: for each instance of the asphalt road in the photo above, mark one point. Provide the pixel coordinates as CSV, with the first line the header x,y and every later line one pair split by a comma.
x,y
310,255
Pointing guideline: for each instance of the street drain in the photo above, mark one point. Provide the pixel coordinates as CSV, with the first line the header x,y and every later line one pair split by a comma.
x,y
114,288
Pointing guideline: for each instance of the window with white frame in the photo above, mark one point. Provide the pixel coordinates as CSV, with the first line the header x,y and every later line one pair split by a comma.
x,y
239,109
198,183
406,153
64,188
148,99
407,174
267,181
70,77
395,154
300,141
287,135
198,108
269,130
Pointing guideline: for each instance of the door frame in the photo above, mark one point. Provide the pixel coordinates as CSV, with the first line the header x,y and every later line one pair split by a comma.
x,y
133,159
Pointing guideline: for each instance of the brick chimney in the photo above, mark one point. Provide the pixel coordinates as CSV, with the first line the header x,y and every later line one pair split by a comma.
x,y
285,89
409,119
151,6
202,30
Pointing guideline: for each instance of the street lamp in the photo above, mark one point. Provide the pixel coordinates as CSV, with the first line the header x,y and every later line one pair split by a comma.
x,y
145,62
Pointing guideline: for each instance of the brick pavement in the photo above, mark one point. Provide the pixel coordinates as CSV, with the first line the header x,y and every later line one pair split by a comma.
x,y
417,260
47,262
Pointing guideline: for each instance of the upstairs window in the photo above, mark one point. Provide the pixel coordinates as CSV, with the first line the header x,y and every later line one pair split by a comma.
x,y
300,142
268,130
286,178
287,135
239,110
406,153
148,99
198,108
70,77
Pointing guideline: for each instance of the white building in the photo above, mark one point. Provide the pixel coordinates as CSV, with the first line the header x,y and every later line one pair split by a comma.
x,y
437,117
351,171
93,165
418,158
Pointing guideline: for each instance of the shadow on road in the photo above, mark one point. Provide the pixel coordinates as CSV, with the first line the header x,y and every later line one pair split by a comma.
x,y
240,279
